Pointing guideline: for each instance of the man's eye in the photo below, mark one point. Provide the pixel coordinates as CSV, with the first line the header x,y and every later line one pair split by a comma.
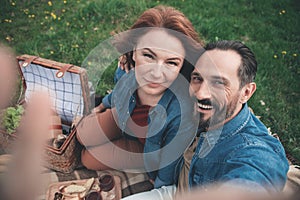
x,y
219,83
196,79
170,63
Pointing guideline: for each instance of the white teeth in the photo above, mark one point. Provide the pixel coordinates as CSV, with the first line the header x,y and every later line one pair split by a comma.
x,y
207,107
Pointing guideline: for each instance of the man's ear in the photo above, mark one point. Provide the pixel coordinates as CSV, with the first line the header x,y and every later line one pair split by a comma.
x,y
247,91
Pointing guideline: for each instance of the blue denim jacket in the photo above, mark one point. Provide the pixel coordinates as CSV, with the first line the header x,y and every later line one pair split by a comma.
x,y
240,152
170,125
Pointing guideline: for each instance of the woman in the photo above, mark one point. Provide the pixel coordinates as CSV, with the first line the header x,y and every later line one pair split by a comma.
x,y
147,121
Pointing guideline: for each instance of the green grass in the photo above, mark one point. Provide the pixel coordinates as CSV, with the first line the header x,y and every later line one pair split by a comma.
x,y
67,31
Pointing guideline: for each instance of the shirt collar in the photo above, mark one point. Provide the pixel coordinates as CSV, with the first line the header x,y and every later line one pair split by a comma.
x,y
228,129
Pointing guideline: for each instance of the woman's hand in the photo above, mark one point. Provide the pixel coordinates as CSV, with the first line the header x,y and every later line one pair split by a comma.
x,y
151,181
124,65
99,109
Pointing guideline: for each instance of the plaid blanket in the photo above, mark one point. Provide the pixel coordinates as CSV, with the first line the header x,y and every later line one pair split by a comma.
x,y
131,183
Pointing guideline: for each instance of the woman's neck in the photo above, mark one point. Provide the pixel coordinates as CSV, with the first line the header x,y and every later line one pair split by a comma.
x,y
148,99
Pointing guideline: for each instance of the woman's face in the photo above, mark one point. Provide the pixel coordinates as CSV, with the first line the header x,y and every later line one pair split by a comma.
x,y
158,59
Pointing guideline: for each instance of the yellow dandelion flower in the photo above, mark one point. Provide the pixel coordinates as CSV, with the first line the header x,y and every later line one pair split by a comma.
x,y
8,38
89,63
51,28
262,103
51,52
65,1
68,23
58,18
275,56
294,54
46,17
283,52
63,10
13,3
53,15
283,11
49,3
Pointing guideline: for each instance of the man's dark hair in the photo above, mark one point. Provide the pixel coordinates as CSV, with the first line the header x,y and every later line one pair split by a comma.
x,y
247,70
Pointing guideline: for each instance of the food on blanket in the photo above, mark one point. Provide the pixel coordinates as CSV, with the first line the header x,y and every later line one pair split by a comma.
x,y
70,189
75,191
88,184
58,196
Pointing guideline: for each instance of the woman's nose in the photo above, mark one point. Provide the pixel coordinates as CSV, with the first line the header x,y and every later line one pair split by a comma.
x,y
157,70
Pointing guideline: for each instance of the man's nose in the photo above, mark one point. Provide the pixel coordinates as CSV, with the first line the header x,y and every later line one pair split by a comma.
x,y
203,91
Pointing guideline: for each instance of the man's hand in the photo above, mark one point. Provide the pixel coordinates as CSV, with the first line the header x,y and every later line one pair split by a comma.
x,y
4,161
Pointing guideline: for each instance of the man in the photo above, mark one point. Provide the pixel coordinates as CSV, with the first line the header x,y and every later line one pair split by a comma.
x,y
232,147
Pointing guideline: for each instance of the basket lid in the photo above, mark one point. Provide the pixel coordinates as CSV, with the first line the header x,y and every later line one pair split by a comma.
x,y
66,85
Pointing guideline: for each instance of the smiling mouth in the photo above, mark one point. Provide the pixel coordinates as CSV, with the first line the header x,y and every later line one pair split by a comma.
x,y
205,107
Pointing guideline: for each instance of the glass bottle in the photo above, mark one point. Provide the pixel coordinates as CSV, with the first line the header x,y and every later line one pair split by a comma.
x,y
107,186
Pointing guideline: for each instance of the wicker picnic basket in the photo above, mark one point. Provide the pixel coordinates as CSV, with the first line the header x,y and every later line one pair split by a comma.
x,y
68,86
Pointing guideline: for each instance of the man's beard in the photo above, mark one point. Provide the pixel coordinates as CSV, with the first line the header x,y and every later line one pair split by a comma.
x,y
219,116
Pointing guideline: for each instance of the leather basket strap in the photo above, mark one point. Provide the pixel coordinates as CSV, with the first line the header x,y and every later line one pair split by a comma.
x,y
28,61
60,73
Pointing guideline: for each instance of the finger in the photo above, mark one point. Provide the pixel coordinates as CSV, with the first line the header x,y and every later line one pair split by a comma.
x,y
120,65
4,159
96,109
23,177
3,168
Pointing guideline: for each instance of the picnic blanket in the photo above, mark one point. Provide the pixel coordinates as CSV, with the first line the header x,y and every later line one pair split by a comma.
x,y
131,183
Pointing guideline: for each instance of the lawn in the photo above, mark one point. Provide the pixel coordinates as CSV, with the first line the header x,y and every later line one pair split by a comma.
x,y
67,31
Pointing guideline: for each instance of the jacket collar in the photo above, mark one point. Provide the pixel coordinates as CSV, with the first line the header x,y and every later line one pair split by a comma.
x,y
229,129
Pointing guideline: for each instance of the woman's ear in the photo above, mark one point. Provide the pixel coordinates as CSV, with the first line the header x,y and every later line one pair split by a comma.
x,y
133,54
247,92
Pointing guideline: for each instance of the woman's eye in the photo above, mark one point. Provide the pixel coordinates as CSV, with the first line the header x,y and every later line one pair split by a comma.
x,y
148,55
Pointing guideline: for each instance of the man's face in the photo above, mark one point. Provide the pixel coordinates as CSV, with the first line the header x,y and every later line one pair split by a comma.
x,y
215,87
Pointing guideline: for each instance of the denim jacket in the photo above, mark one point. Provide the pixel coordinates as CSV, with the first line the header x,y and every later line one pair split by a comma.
x,y
241,152
170,125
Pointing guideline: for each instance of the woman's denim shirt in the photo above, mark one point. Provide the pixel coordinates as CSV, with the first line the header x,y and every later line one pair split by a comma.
x,y
171,127
241,152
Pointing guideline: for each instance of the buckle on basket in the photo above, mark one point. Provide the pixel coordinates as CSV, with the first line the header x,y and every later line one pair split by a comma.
x,y
63,70
29,61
